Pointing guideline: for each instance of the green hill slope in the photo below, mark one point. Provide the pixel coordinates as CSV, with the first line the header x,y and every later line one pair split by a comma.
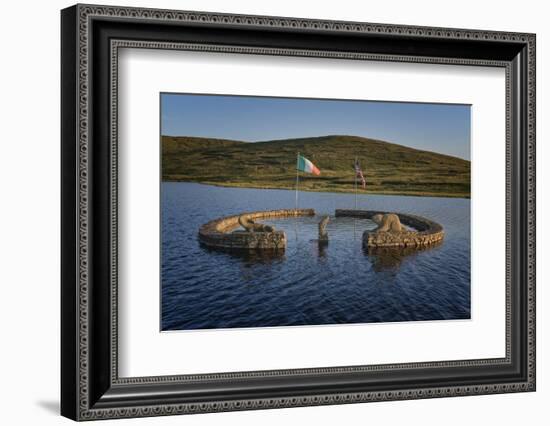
x,y
388,168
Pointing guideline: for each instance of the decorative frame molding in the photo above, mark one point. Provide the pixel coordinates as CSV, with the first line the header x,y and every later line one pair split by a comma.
x,y
91,37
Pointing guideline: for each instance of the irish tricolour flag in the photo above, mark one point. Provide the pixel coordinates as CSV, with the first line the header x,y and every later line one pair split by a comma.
x,y
304,165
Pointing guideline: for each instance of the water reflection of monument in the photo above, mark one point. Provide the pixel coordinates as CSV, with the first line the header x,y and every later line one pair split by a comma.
x,y
390,258
250,257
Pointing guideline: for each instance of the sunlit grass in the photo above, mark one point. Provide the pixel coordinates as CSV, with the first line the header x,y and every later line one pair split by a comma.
x,y
388,168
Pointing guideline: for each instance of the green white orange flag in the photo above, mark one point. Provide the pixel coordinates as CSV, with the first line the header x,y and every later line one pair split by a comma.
x,y
304,165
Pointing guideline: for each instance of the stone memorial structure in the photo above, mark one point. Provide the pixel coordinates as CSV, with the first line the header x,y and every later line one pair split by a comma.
x,y
391,232
223,233
323,235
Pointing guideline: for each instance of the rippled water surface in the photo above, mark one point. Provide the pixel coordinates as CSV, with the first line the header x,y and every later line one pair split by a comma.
x,y
308,284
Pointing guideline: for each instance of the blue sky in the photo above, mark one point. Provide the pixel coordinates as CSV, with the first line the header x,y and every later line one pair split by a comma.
x,y
443,128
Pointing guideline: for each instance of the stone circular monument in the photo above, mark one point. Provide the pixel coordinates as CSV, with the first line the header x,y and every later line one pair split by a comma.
x,y
398,230
391,232
222,233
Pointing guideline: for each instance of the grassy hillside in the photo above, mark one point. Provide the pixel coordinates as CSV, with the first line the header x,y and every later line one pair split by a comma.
x,y
388,168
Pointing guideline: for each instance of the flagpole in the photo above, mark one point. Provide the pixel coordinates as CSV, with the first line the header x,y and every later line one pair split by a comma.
x,y
297,158
354,167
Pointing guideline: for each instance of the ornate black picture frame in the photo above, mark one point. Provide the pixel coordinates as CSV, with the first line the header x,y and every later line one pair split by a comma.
x,y
91,387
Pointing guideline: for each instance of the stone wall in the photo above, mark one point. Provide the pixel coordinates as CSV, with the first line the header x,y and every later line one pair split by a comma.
x,y
426,232
219,232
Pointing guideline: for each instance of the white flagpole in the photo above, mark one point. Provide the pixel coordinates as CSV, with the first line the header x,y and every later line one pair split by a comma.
x,y
297,158
355,171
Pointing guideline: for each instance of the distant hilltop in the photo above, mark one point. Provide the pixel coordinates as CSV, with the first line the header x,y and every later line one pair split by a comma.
x,y
388,168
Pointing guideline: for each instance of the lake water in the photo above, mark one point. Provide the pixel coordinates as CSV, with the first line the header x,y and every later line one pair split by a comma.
x,y
308,284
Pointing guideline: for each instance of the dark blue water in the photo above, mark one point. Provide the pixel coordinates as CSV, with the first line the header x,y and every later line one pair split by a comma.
x,y
308,284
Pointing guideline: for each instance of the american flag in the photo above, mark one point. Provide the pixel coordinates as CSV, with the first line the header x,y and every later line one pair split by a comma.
x,y
359,174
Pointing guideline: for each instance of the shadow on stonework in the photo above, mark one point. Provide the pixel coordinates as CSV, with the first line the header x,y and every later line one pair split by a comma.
x,y
384,259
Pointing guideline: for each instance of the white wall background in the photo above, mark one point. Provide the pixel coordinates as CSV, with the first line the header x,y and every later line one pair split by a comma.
x,y
29,212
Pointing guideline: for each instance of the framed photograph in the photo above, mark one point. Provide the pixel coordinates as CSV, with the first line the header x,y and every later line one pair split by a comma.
x,y
263,212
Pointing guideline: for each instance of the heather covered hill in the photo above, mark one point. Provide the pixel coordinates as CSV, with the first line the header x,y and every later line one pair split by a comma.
x,y
388,168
